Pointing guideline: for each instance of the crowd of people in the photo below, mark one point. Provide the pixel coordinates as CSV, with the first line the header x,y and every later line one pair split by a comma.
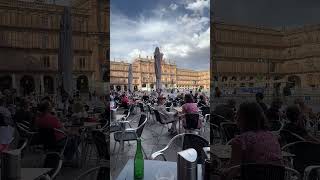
x,y
36,114
256,141
189,101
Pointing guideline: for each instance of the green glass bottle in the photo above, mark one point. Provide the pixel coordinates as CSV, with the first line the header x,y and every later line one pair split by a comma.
x,y
138,162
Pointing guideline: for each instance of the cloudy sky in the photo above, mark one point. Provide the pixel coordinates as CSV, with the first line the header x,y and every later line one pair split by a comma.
x,y
269,13
179,27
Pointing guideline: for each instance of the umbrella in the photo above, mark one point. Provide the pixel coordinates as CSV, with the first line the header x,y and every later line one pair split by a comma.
x,y
130,78
66,52
157,67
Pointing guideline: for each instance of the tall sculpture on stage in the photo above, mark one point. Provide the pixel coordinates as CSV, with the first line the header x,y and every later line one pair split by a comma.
x,y
157,67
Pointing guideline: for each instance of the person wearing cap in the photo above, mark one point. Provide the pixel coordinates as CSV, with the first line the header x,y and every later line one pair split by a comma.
x,y
167,116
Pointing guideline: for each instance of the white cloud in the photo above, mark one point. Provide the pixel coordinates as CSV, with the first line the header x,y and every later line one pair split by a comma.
x,y
198,5
202,39
183,38
173,6
136,53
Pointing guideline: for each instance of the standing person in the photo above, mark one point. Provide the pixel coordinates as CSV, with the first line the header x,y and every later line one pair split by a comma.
x,y
259,99
94,94
227,111
286,92
90,96
191,93
195,97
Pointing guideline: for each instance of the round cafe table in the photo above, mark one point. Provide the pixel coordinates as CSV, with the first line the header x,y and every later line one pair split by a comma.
x,y
151,168
32,173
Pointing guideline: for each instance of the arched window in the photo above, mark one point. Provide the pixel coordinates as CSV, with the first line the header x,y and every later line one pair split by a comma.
x,y
48,84
27,84
5,82
224,78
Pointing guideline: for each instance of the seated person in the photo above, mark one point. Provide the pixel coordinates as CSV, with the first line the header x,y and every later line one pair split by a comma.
x,y
24,114
202,102
125,102
305,110
46,120
78,111
6,127
255,144
227,111
190,107
274,113
296,123
167,116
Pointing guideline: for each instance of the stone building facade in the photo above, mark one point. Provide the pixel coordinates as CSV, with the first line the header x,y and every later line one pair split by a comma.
x,y
29,43
244,56
144,75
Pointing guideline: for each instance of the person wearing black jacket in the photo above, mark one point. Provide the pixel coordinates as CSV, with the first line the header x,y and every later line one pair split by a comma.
x,y
259,99
24,114
273,113
202,101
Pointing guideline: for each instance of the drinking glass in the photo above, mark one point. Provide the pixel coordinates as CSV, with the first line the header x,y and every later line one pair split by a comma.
x,y
165,174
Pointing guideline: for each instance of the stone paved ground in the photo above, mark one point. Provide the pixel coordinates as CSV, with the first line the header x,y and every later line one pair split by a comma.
x,y
150,143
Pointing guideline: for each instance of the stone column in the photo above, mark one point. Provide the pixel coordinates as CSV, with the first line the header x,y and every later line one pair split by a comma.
x,y
14,83
74,82
56,84
41,84
92,84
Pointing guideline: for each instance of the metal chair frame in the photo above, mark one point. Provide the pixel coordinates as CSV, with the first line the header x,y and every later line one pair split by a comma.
x,y
57,169
308,170
162,151
222,131
88,172
130,130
